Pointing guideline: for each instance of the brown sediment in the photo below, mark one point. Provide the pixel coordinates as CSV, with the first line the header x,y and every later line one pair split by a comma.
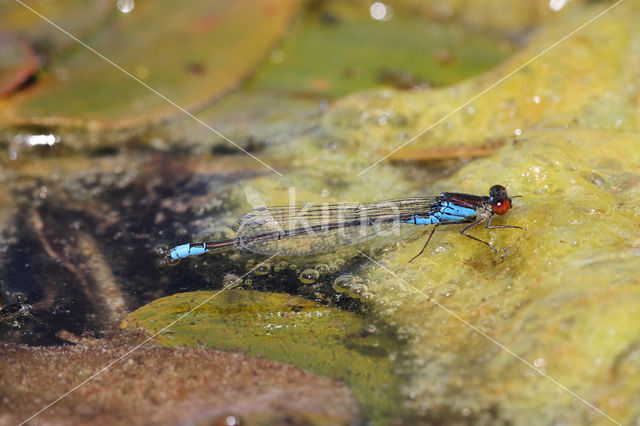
x,y
162,386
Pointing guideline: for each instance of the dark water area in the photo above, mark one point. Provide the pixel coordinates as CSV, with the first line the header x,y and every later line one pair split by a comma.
x,y
52,281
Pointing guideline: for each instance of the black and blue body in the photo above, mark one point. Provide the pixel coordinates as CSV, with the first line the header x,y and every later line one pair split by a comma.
x,y
446,209
316,229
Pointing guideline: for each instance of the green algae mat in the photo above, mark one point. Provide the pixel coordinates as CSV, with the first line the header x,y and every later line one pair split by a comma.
x,y
284,328
562,295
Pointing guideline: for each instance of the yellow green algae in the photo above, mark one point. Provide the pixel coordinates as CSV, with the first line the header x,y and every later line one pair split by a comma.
x,y
580,83
285,328
503,16
564,294
588,80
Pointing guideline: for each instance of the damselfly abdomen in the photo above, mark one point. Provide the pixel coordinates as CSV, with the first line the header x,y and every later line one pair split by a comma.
x,y
317,229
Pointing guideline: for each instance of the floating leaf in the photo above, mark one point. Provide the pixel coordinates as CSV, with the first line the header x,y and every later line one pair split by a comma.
x,y
341,48
189,53
284,328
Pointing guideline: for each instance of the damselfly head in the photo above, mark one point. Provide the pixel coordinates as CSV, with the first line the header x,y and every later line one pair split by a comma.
x,y
500,201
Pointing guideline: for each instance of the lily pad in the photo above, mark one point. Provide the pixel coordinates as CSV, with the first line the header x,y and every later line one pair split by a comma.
x,y
200,50
341,48
284,328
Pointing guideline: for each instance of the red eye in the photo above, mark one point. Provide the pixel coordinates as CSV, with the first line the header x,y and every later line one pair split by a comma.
x,y
500,207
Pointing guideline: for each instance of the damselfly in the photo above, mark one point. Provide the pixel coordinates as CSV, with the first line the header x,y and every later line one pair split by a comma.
x,y
316,229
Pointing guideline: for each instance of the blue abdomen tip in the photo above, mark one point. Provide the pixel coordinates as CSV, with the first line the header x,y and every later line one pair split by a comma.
x,y
185,250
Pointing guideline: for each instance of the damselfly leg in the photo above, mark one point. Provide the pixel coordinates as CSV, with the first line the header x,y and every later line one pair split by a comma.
x,y
501,226
488,226
431,235
425,244
463,231
476,223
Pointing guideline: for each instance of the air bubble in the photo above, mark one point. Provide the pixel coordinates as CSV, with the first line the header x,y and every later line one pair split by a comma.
x,y
231,281
280,266
262,269
322,268
351,285
342,283
309,276
20,297
125,6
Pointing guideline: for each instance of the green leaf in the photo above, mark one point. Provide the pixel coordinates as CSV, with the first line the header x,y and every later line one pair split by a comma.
x,y
285,328
341,48
189,52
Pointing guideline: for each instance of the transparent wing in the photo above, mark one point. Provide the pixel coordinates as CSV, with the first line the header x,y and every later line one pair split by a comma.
x,y
315,229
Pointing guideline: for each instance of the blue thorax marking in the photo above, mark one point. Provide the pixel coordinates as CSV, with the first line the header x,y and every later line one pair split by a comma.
x,y
452,211
446,212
